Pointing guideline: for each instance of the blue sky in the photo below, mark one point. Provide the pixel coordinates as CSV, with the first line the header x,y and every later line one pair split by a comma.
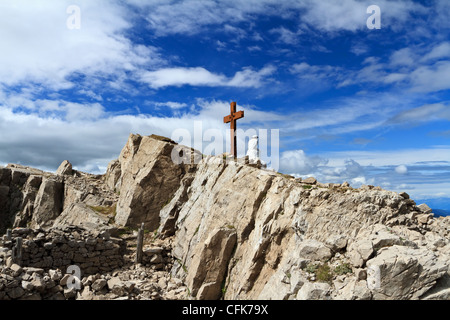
x,y
367,106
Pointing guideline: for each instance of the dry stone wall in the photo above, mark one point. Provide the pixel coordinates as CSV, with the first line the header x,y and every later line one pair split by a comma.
x,y
91,251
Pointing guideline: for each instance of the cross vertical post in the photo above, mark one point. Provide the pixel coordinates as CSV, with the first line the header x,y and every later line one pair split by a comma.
x,y
231,118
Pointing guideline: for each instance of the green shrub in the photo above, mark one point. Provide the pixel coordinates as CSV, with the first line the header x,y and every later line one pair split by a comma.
x,y
324,273
311,268
343,269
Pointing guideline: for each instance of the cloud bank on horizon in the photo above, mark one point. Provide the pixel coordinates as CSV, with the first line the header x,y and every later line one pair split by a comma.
x,y
367,106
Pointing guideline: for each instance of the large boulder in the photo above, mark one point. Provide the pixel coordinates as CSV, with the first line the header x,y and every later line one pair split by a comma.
x,y
80,214
371,239
49,200
149,180
314,291
400,272
65,169
112,176
210,263
314,250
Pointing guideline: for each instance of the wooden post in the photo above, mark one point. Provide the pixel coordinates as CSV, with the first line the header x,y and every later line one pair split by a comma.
x,y
17,251
140,243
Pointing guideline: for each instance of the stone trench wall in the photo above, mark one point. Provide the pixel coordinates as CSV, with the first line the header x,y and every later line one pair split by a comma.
x,y
92,252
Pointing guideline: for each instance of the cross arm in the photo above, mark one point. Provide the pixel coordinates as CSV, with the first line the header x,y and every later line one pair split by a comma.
x,y
238,115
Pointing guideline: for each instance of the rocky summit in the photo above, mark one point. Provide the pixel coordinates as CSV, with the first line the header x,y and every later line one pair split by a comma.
x,y
213,229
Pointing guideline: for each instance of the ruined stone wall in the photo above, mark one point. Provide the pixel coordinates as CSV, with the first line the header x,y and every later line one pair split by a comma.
x,y
90,250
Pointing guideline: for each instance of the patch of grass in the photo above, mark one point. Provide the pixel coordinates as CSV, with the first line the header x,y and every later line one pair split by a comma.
x,y
287,176
105,210
182,265
196,230
109,212
126,230
223,288
323,273
311,268
343,269
307,186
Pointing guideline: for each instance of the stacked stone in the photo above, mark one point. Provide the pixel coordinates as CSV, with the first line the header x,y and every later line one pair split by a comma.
x,y
157,257
91,251
134,283
28,283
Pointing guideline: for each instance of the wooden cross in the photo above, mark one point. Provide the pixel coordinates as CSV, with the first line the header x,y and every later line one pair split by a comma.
x,y
232,117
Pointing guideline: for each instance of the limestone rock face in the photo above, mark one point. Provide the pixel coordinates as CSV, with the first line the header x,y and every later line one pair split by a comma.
x,y
49,202
149,179
65,168
17,194
80,214
210,264
286,231
31,197
314,250
314,291
112,176
405,273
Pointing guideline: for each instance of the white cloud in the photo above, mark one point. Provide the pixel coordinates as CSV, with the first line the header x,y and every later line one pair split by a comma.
x,y
250,78
181,76
383,158
298,163
403,57
359,49
413,68
350,15
198,76
171,104
89,136
286,36
316,73
431,78
39,48
441,50
424,172
428,112
401,169
192,17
